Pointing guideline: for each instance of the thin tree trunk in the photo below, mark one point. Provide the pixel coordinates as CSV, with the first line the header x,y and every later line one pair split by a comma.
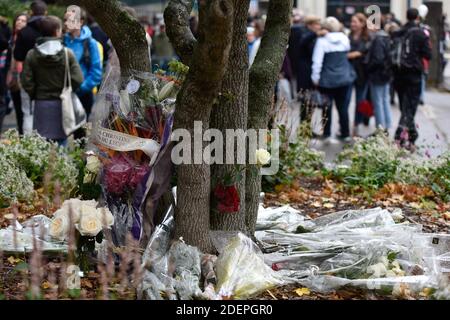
x,y
194,103
263,77
231,113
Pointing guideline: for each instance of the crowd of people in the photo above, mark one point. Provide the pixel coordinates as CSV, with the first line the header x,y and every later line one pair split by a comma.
x,y
37,53
326,61
375,61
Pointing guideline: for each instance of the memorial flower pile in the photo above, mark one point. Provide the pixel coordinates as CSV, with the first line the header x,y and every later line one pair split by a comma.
x,y
131,129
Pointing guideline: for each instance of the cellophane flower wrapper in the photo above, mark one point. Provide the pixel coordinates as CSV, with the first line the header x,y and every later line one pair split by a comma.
x,y
131,133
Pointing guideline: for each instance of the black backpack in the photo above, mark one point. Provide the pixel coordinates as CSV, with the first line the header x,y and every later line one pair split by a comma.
x,y
402,54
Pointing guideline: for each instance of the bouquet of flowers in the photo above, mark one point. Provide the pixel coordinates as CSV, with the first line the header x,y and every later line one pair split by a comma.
x,y
87,221
132,125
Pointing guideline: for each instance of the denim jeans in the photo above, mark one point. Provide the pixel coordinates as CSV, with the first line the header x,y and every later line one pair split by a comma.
x,y
381,103
361,95
341,96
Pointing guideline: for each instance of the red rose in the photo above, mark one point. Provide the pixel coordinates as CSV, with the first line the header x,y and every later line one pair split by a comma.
x,y
227,198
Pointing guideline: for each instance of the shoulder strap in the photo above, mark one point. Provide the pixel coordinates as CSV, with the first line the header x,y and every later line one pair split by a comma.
x,y
67,76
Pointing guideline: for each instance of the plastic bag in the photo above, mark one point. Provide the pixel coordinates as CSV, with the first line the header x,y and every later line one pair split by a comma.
x,y
185,261
241,271
357,248
26,235
283,218
132,124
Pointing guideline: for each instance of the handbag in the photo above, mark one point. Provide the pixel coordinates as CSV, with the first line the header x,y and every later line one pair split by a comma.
x,y
73,113
365,108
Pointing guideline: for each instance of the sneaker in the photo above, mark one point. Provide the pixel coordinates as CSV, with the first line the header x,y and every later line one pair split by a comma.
x,y
330,141
345,139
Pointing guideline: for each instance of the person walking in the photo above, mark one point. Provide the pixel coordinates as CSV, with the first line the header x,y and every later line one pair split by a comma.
x,y
15,69
26,40
412,46
43,79
334,75
359,46
379,70
86,49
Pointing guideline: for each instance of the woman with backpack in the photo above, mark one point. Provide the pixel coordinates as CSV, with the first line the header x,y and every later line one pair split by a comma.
x,y
379,72
43,79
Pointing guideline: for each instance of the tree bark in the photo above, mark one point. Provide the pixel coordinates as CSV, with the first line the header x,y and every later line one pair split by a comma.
x,y
126,33
194,103
176,16
231,113
263,77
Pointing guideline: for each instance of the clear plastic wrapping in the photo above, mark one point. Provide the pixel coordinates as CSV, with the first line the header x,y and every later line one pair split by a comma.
x,y
241,271
132,123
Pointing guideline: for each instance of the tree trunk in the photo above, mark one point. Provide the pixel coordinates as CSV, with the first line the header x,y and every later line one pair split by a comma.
x,y
231,113
194,103
263,77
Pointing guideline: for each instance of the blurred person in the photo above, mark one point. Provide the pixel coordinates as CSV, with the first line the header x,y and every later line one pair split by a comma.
x,y
5,34
408,71
312,30
379,71
43,78
163,51
293,50
86,49
253,44
391,18
423,12
359,46
15,69
100,36
334,75
391,28
25,41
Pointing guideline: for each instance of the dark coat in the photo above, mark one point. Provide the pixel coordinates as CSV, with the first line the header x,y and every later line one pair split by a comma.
x,y
420,47
26,38
306,49
379,70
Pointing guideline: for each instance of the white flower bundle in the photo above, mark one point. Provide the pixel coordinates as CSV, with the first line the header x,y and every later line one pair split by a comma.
x,y
85,216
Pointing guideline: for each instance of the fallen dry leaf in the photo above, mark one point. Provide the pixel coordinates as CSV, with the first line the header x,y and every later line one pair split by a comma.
x,y
13,260
302,292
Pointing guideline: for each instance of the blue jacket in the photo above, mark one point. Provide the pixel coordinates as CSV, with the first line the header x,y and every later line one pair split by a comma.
x,y
93,73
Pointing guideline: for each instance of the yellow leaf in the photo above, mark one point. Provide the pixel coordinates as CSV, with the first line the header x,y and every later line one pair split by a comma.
x,y
13,260
302,292
279,188
45,285
328,205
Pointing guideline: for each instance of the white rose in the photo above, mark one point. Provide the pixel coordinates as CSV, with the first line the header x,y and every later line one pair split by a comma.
x,y
87,209
90,225
93,164
262,157
106,217
72,207
59,227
